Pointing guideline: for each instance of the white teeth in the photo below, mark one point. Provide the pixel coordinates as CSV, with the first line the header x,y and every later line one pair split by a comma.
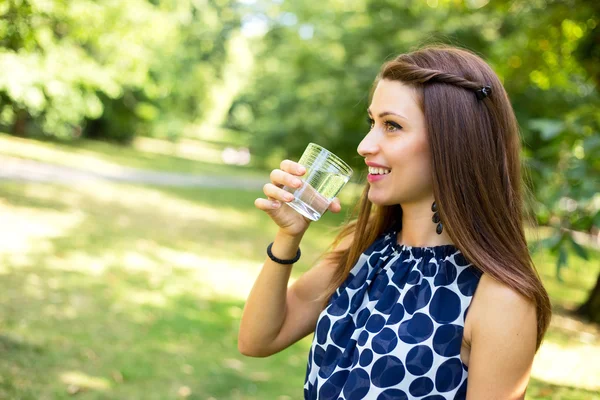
x,y
379,171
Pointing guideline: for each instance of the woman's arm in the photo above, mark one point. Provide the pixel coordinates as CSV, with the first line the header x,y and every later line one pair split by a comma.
x,y
503,340
276,317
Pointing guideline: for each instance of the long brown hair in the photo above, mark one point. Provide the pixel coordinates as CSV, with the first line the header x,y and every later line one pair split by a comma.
x,y
477,181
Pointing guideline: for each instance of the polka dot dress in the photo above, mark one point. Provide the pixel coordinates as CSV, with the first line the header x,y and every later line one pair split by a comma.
x,y
393,329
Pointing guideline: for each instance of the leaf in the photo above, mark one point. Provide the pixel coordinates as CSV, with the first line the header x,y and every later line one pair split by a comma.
x,y
561,262
553,241
581,252
548,128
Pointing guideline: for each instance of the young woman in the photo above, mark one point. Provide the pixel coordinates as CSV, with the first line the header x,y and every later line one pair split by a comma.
x,y
432,283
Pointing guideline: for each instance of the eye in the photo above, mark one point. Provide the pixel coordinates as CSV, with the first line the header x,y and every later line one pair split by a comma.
x,y
391,126
371,122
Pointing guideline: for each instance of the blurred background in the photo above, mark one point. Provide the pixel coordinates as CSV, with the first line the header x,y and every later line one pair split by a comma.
x,y
136,135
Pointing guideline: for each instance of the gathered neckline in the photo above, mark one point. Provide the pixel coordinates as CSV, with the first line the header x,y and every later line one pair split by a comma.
x,y
441,249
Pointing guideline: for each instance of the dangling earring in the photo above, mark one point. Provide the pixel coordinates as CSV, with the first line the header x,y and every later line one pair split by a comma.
x,y
436,219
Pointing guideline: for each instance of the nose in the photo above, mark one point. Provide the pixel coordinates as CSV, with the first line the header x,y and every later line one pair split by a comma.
x,y
369,145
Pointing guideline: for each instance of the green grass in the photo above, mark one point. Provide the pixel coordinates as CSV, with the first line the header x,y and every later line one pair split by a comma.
x,y
132,292
112,291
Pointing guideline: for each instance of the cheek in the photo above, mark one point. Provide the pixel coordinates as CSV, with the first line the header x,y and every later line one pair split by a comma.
x,y
414,169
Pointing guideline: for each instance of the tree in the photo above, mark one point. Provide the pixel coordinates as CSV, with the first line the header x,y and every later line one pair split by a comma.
x,y
109,69
317,65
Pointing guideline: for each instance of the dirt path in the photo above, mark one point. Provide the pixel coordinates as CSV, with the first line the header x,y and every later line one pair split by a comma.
x,y
18,169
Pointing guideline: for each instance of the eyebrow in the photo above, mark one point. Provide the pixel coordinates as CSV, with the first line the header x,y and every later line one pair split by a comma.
x,y
385,113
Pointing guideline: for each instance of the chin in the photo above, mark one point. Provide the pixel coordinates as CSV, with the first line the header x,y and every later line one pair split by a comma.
x,y
379,201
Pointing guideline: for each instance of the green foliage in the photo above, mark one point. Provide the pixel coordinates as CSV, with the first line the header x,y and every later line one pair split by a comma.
x,y
127,64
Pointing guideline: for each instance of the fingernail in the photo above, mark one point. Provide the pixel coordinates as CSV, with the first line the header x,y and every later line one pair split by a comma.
x,y
297,182
275,204
301,170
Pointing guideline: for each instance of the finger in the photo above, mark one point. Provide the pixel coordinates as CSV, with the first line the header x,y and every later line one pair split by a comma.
x,y
293,167
266,205
276,193
281,178
335,206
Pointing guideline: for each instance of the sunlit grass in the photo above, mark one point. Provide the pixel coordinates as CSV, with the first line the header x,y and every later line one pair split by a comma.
x,y
148,285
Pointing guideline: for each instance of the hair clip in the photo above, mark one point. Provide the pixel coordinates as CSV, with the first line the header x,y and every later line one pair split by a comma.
x,y
483,92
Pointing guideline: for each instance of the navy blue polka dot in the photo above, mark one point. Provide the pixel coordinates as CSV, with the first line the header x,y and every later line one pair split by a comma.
x,y
378,286
362,318
357,301
419,360
374,247
387,371
374,259
460,260
428,269
309,393
366,357
448,375
355,357
445,306
330,360
415,330
417,297
340,307
375,323
360,278
399,277
447,340
362,338
318,355
385,341
358,385
414,278
467,281
342,331
421,387
388,300
392,394
397,314
434,397
446,274
332,388
323,329
346,360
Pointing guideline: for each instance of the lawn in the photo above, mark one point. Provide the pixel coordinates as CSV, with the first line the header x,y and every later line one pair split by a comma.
x,y
113,291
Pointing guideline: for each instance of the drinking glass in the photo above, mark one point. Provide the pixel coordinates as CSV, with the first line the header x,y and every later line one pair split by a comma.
x,y
326,174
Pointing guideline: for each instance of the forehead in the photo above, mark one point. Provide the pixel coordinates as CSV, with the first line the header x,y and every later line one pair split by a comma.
x,y
396,97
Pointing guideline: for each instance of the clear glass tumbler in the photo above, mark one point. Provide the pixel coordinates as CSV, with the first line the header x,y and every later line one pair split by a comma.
x,y
326,174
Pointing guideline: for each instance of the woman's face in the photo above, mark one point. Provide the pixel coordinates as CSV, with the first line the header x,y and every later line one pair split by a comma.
x,y
397,140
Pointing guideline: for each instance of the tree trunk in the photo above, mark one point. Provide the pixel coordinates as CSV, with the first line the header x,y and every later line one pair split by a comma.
x,y
591,308
20,124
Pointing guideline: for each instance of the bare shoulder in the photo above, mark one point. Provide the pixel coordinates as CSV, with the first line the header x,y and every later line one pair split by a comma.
x,y
497,297
496,305
503,341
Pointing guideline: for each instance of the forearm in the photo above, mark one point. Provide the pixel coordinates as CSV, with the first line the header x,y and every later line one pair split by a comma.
x,y
264,312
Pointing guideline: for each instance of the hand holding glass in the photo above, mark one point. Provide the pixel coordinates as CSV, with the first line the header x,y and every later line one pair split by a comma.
x,y
326,175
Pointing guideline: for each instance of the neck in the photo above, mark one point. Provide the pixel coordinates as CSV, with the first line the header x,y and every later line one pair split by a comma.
x,y
418,229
